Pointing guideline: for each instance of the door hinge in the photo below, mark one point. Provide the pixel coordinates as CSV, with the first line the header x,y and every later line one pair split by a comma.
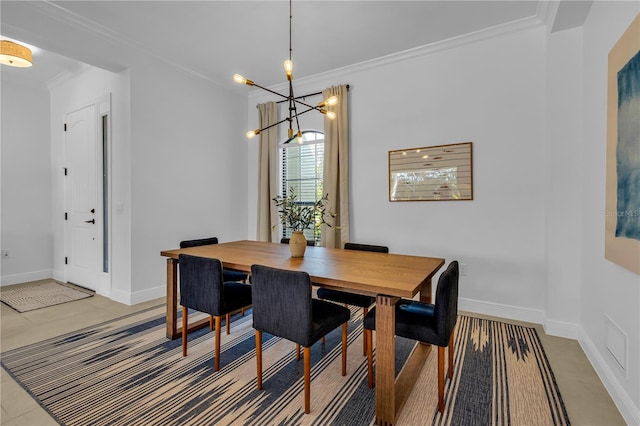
x,y
65,127
65,171
66,217
66,260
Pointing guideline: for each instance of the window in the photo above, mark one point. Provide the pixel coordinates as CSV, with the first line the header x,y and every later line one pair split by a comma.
x,y
302,165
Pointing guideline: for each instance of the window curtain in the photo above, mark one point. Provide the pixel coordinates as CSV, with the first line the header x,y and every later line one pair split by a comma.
x,y
268,173
336,168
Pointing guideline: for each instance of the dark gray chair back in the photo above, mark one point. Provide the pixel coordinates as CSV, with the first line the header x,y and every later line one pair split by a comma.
x,y
201,284
199,242
366,247
310,243
282,303
446,306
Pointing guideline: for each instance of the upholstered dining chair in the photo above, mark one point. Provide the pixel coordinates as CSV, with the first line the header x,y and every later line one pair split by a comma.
x,y
283,307
427,323
351,298
228,275
202,289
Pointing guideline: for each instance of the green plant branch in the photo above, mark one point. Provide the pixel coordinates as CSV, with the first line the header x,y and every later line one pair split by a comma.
x,y
299,217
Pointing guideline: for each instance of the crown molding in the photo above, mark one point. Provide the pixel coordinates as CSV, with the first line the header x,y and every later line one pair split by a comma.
x,y
343,73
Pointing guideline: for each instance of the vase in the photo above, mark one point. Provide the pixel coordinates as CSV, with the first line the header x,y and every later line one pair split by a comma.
x,y
297,244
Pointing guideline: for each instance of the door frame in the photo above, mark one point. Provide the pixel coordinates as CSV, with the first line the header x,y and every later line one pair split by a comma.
x,y
102,108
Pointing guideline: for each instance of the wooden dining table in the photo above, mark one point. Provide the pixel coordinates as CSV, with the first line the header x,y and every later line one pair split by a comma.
x,y
388,277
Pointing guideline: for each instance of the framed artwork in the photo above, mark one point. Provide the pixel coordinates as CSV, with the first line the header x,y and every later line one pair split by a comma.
x,y
432,173
622,222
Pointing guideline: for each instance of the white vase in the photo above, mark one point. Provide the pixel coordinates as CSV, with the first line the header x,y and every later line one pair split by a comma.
x,y
297,244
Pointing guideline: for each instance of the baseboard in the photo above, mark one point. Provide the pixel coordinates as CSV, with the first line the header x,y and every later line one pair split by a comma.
x,y
133,298
503,311
562,329
620,397
26,277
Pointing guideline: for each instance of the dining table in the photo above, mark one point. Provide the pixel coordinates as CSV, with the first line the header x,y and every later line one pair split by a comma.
x,y
387,276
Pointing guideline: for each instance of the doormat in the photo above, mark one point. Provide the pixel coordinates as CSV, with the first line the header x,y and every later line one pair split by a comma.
x,y
25,298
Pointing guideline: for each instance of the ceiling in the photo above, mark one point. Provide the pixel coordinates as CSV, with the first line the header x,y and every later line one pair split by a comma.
x,y
215,39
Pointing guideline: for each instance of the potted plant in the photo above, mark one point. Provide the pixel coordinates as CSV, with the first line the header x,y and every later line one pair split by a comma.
x,y
299,217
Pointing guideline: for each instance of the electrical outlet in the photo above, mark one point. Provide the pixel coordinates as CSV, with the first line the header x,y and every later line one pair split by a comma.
x,y
463,269
5,253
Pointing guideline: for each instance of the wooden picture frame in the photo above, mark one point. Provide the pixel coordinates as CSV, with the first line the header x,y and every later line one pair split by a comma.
x,y
622,215
433,173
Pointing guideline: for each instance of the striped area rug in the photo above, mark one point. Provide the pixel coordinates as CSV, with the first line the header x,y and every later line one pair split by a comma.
x,y
125,372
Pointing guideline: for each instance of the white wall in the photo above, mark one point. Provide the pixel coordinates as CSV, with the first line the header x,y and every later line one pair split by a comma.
x,y
490,92
26,191
186,180
608,290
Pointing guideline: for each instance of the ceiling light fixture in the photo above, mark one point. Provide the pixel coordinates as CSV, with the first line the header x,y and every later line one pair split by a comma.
x,y
14,54
293,101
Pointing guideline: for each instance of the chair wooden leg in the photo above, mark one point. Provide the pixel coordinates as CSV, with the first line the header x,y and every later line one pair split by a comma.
x,y
210,322
228,321
218,319
185,331
344,349
307,380
365,311
451,353
242,311
259,358
323,340
440,378
297,352
368,338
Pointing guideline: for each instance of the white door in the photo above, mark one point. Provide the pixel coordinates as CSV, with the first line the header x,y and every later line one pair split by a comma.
x,y
82,250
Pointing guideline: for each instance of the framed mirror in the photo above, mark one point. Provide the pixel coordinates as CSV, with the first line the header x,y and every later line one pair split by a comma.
x,y
432,173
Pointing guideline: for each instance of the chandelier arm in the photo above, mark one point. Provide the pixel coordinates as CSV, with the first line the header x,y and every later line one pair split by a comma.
x,y
308,106
285,119
293,101
272,91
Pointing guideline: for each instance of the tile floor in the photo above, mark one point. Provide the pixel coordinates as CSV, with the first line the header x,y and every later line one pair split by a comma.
x,y
587,402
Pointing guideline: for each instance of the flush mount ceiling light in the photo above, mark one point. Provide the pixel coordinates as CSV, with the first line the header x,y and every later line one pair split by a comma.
x,y
14,54
290,98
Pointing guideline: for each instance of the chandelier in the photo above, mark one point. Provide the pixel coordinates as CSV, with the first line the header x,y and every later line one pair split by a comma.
x,y
290,98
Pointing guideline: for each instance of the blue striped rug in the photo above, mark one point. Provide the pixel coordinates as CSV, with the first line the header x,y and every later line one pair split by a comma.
x,y
125,372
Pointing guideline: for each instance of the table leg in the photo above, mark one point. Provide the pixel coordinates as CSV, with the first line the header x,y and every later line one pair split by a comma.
x,y
385,360
172,298
425,292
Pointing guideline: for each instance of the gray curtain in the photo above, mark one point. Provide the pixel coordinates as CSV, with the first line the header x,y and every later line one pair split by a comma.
x,y
268,174
336,168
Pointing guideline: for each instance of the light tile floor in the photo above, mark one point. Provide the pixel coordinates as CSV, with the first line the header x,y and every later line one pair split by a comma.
x,y
586,399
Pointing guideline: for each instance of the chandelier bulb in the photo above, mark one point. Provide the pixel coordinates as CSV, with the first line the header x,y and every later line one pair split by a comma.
x,y
330,101
252,133
288,69
290,133
242,80
330,114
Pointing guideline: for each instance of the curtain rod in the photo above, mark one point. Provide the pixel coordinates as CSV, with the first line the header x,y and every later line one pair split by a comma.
x,y
304,96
